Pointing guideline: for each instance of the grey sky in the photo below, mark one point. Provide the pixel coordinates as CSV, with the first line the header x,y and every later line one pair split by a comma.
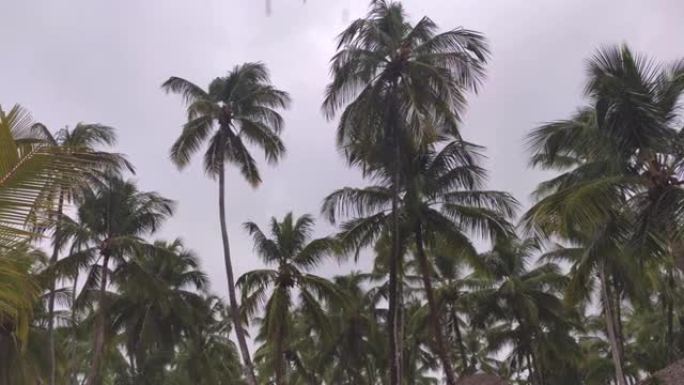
x,y
103,61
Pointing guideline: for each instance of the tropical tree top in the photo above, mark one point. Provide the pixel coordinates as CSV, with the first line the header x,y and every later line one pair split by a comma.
x,y
244,106
384,62
32,171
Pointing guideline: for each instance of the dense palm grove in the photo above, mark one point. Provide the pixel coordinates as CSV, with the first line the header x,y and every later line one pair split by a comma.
x,y
584,287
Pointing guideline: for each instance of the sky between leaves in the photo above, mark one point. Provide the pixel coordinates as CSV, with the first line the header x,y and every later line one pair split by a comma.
x,y
103,61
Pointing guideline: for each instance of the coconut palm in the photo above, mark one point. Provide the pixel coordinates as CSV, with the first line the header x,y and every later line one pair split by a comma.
x,y
81,142
525,299
619,192
159,296
294,254
236,110
583,206
206,355
19,293
31,171
398,78
112,218
451,290
354,354
441,202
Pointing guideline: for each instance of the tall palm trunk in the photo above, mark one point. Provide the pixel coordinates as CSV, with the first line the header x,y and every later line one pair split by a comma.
x,y
534,375
51,299
537,367
98,345
617,301
280,343
460,342
669,306
7,349
437,334
393,318
610,327
234,307
532,379
73,366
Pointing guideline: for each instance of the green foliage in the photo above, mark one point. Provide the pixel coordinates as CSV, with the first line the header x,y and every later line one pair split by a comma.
x,y
587,290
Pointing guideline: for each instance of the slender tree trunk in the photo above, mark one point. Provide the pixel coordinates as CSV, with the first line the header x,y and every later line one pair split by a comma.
x,y
309,376
537,368
670,314
610,327
94,375
529,355
72,365
51,299
234,307
531,377
393,316
460,343
437,329
131,363
279,363
617,301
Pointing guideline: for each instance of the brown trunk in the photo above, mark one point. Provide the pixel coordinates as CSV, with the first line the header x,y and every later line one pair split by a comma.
x,y
617,301
537,368
393,318
530,369
529,355
98,345
670,313
8,348
73,367
280,346
234,307
460,343
610,327
435,323
51,299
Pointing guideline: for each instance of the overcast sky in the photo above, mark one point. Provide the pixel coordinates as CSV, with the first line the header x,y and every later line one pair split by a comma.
x,y
103,61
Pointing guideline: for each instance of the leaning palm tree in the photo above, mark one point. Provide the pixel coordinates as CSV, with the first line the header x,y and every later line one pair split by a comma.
x,y
111,220
398,78
81,142
441,203
237,109
291,249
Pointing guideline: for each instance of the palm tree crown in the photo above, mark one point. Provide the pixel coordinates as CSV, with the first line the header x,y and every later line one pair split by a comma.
x,y
294,254
236,110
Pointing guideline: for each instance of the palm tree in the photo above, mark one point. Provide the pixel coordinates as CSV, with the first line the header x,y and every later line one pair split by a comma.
x,y
440,203
353,354
31,171
238,108
526,299
620,193
400,78
81,142
19,292
206,355
111,220
585,206
450,293
291,249
159,297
